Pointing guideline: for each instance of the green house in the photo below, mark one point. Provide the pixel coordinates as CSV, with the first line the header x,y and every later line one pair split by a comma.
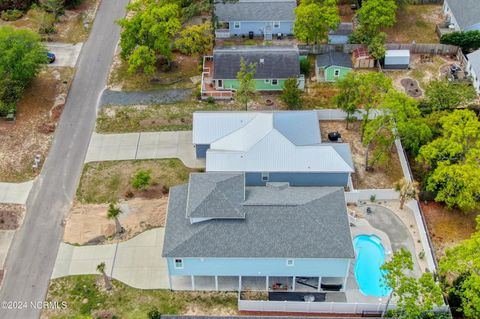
x,y
332,66
274,65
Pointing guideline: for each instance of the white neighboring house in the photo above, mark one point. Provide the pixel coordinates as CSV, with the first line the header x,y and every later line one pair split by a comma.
x,y
473,68
463,15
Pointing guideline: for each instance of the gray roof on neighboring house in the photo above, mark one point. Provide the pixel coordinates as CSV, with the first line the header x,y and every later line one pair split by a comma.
x,y
216,195
334,58
273,62
466,12
474,60
296,222
344,28
268,10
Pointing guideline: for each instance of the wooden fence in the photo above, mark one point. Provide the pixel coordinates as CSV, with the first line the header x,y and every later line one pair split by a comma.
x,y
415,48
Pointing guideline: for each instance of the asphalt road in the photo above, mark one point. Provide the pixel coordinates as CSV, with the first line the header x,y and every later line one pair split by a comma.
x,y
32,255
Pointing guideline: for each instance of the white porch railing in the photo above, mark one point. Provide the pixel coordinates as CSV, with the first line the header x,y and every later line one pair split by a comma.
x,y
222,33
313,307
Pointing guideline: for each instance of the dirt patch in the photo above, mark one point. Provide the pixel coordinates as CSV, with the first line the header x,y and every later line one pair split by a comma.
x,y
416,23
384,176
319,95
421,71
447,227
411,87
88,223
11,216
107,182
176,76
72,27
346,13
32,132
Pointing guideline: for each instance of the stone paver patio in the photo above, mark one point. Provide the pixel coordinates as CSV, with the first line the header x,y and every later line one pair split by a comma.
x,y
137,262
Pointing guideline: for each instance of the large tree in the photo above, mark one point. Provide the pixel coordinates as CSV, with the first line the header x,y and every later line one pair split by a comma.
x,y
21,59
348,98
461,267
314,19
414,297
399,117
453,159
468,40
375,15
195,39
442,94
291,94
150,29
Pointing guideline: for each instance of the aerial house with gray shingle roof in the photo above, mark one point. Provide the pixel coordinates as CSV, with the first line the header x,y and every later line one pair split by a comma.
x,y
222,235
462,15
254,17
273,64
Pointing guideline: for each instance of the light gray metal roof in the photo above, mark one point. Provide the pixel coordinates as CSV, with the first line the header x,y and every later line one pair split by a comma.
x,y
216,195
300,127
269,10
314,225
273,62
474,60
466,12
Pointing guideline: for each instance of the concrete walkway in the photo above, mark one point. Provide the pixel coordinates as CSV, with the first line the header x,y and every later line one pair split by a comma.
x,y
15,193
148,145
137,262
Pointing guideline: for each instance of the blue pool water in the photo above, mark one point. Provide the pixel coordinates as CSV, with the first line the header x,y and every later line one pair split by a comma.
x,y
370,256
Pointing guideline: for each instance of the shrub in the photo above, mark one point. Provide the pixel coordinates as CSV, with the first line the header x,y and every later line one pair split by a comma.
x,y
305,67
468,41
373,197
11,15
210,100
154,314
43,20
141,180
291,94
15,4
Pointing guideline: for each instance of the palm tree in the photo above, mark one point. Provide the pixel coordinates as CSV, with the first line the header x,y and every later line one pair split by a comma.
x,y
408,190
106,279
113,213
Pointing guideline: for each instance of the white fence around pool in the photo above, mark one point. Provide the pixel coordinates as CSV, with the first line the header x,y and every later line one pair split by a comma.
x,y
313,307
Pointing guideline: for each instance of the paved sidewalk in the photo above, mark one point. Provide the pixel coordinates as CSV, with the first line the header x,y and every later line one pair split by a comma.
x,y
15,193
138,262
148,145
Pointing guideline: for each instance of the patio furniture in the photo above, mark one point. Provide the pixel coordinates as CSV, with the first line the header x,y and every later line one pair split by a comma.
x,y
279,286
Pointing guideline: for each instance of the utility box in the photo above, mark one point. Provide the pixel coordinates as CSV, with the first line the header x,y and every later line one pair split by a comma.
x,y
397,59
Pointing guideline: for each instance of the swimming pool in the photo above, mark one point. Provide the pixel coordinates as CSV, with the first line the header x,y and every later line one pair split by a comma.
x,y
370,256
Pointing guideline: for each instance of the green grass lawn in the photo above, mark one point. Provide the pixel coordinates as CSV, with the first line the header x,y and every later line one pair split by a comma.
x,y
86,298
319,96
105,182
165,117
416,23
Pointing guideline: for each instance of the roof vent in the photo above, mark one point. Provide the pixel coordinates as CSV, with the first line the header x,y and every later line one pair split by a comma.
x,y
262,61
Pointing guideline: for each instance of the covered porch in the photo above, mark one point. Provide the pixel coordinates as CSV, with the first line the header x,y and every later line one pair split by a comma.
x,y
259,283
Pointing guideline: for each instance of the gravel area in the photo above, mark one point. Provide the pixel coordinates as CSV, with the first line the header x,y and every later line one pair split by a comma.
x,y
122,98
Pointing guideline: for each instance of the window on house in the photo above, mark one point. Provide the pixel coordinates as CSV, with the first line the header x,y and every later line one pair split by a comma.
x,y
276,24
178,263
290,262
274,82
336,73
236,25
267,81
265,177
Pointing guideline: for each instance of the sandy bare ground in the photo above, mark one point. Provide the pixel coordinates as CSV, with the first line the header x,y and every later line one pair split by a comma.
x,y
88,223
383,176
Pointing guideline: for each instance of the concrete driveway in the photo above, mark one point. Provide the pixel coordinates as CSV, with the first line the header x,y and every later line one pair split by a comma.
x,y
138,262
149,145
66,54
15,193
